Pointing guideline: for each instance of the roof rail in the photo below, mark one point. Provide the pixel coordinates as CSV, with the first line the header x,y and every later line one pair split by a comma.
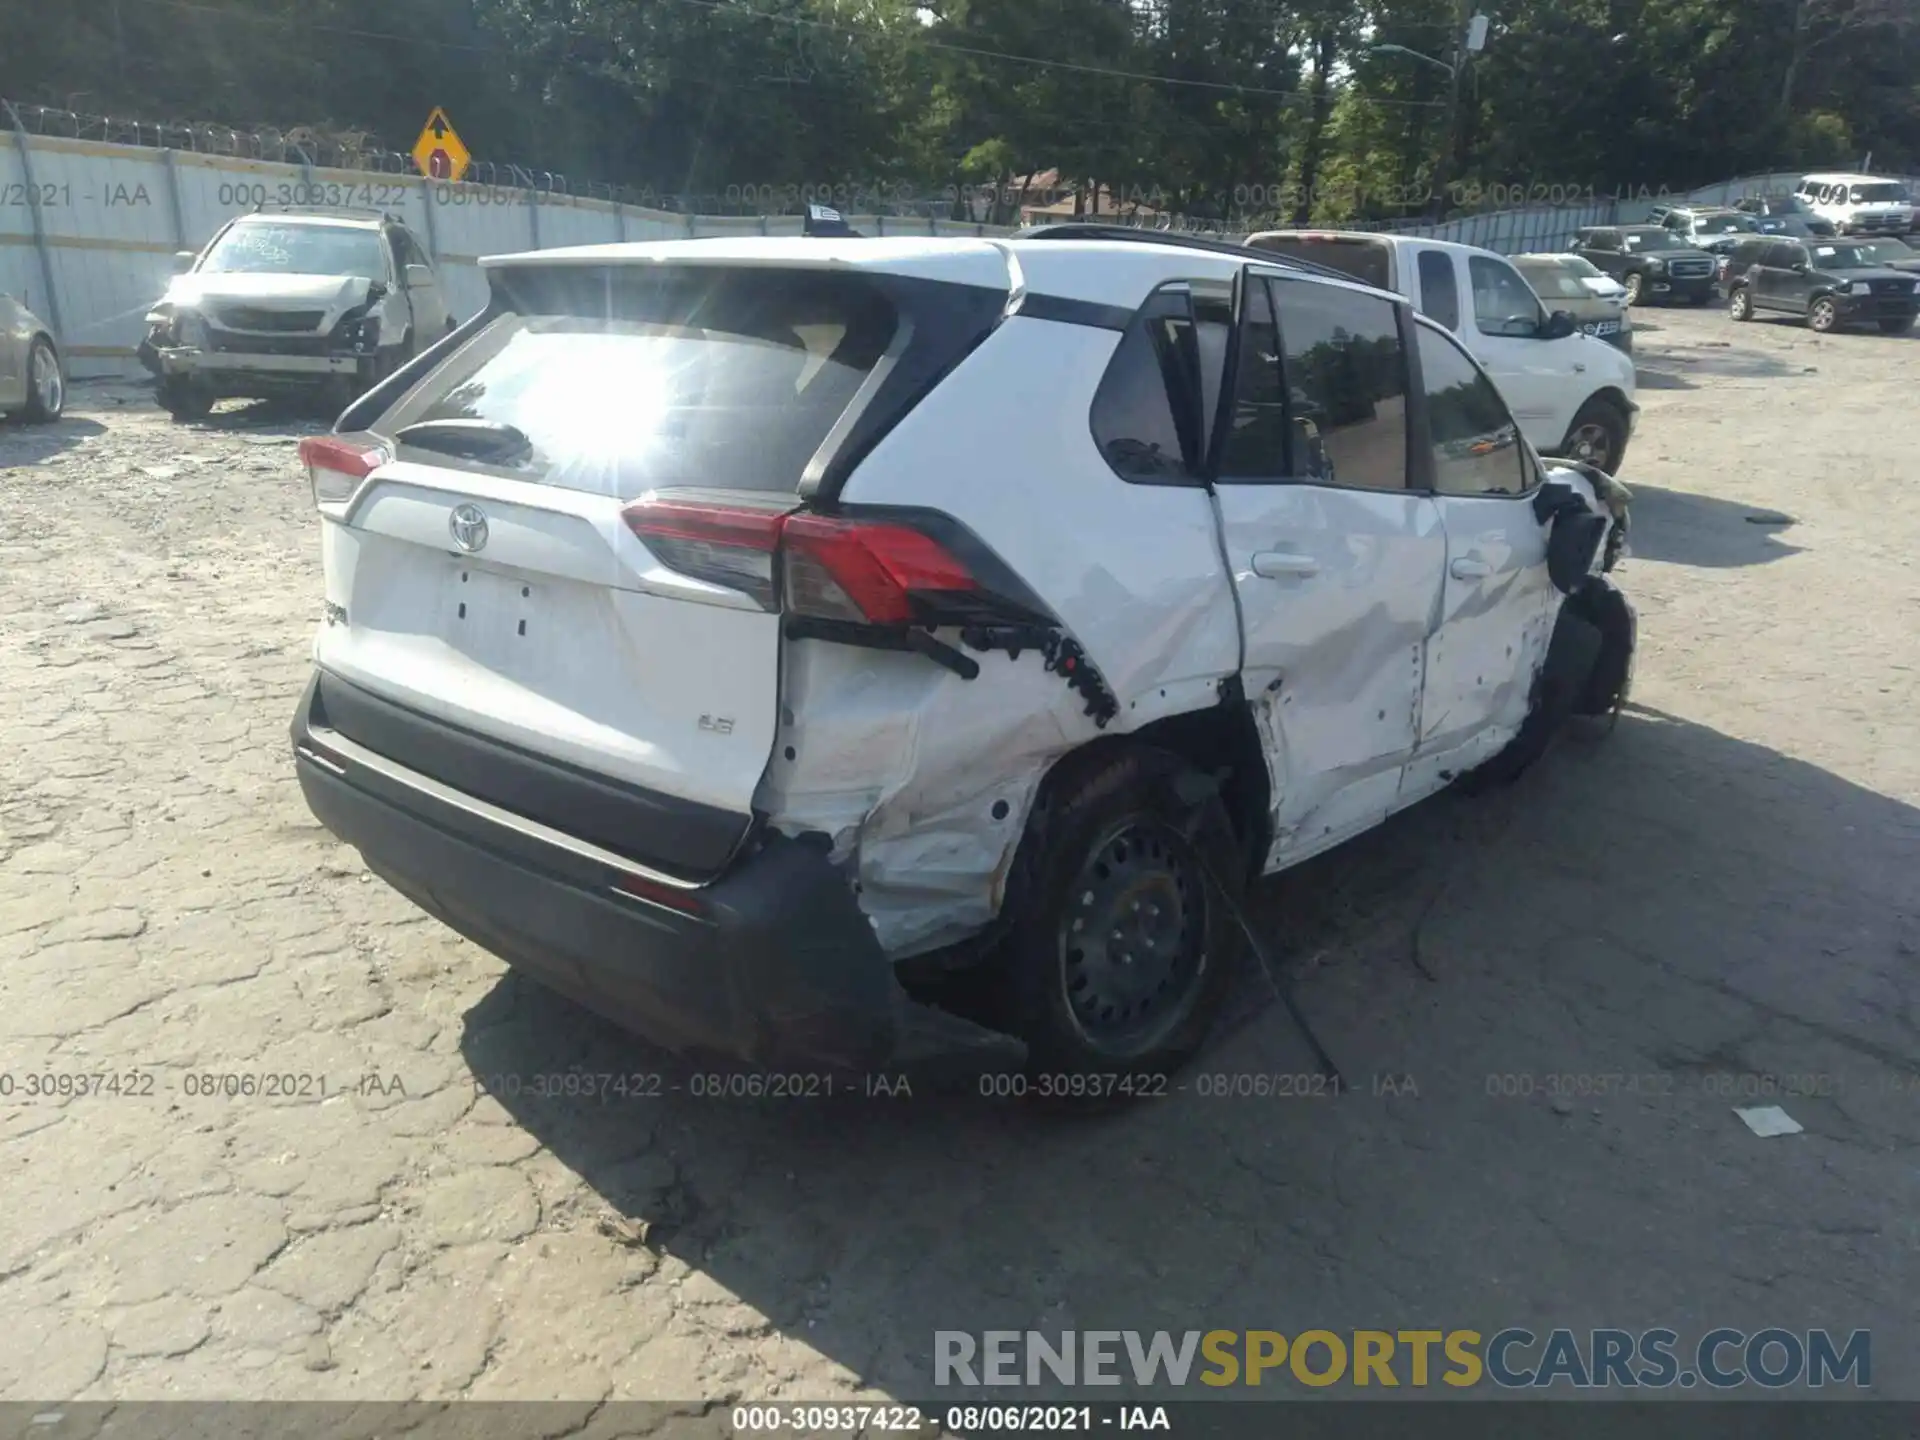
x,y
1093,230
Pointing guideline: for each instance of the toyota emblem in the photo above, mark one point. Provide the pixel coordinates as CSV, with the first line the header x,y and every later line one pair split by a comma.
x,y
469,526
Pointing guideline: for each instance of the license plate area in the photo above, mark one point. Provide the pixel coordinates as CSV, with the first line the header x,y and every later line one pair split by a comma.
x,y
493,618
1602,327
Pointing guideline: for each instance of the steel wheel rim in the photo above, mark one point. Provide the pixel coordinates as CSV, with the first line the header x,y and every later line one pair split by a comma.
x,y
47,385
1591,443
1132,942
1821,317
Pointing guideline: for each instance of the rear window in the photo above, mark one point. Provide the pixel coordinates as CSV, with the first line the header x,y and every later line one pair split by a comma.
x,y
1365,260
627,380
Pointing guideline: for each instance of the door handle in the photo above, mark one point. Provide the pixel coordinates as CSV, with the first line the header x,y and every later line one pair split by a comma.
x,y
1470,567
1284,564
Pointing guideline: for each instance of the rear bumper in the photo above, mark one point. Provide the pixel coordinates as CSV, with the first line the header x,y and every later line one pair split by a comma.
x,y
772,964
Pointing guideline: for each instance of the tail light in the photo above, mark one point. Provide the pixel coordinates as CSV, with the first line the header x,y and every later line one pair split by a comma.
x,y
868,572
722,544
336,465
876,572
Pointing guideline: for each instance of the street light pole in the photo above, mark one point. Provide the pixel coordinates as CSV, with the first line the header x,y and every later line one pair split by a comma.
x,y
1443,172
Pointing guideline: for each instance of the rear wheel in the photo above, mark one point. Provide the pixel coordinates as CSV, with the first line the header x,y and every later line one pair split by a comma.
x,y
1598,435
1896,327
46,386
1823,315
183,399
1120,950
1740,307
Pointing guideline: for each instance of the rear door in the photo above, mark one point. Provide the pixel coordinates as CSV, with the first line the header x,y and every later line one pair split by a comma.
x,y
491,579
1337,564
1792,269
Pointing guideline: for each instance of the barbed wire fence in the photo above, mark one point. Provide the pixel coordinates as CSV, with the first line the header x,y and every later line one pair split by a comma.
x,y
327,147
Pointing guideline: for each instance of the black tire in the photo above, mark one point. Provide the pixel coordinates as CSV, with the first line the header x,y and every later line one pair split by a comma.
x,y
1598,435
46,383
184,400
1635,285
1823,316
1896,327
1132,844
1740,304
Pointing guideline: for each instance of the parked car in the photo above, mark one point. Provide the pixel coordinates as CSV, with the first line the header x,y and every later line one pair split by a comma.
x,y
1859,204
1563,282
1704,227
1830,283
1784,215
33,376
1650,260
1573,395
679,650
317,304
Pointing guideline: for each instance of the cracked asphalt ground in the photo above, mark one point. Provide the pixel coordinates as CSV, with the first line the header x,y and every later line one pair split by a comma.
x,y
1720,899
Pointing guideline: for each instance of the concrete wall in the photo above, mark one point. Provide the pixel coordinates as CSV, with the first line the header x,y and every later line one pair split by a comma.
x,y
97,249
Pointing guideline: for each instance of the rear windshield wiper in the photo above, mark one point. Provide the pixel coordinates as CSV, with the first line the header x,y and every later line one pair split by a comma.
x,y
473,439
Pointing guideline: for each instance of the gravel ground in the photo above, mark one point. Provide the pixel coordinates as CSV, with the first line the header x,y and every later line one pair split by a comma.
x,y
1721,896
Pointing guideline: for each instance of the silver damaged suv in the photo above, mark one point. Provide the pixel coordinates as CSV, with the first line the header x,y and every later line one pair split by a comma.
x,y
303,304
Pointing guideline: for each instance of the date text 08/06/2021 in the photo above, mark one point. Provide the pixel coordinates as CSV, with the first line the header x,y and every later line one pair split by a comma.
x,y
881,1419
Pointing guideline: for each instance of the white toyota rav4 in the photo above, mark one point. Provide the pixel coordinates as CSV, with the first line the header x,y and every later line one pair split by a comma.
x,y
835,652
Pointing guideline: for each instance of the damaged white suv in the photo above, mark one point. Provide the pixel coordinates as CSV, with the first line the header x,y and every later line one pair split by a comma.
x,y
830,653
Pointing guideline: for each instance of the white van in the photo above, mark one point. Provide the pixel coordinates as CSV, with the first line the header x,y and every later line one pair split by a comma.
x,y
1859,204
1572,393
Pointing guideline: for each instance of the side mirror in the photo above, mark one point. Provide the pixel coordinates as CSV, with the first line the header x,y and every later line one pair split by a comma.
x,y
1799,267
183,261
418,277
1560,324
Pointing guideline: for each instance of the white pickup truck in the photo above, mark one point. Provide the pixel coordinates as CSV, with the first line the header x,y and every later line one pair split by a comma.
x,y
1572,394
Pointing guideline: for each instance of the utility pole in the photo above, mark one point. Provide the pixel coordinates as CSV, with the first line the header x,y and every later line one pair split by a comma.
x,y
1443,171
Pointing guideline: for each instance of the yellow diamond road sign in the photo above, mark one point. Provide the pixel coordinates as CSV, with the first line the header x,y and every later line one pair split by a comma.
x,y
438,152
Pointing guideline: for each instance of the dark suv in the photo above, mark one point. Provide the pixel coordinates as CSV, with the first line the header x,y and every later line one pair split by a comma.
x,y
1784,215
1650,260
1830,283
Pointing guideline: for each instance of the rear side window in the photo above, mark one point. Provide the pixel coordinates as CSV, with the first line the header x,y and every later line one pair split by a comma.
x,y
623,381
1157,400
1346,376
1476,445
1439,288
